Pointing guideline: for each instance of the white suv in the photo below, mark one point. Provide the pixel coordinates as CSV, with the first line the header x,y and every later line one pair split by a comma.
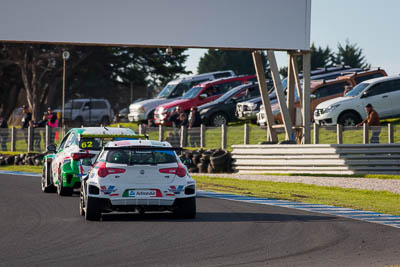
x,y
144,110
382,93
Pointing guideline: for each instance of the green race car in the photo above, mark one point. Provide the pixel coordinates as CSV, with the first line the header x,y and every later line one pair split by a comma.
x,y
65,165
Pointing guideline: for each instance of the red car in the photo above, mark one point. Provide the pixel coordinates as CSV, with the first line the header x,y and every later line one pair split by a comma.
x,y
199,95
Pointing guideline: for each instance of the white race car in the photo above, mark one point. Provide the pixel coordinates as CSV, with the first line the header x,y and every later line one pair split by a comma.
x,y
138,175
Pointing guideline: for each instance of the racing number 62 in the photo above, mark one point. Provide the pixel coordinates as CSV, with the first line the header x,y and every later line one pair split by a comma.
x,y
87,144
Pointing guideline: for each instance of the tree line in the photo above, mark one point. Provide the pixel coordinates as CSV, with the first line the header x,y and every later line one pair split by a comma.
x,y
32,73
242,62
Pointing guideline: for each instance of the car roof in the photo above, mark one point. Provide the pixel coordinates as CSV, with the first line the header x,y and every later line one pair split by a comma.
x,y
190,77
139,143
357,73
204,84
103,130
317,83
87,99
381,79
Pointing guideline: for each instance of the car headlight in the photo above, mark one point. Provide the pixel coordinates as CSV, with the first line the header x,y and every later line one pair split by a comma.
x,y
330,108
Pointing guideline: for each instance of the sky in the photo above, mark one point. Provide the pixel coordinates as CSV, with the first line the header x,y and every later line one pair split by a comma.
x,y
373,25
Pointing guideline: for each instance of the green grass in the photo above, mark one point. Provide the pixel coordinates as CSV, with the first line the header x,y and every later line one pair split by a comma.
x,y
369,176
378,201
132,125
22,168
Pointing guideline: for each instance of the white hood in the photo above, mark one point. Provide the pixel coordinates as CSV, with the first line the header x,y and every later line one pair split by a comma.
x,y
338,100
150,103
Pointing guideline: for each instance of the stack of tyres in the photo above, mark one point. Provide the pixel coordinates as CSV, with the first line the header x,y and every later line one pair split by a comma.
x,y
207,161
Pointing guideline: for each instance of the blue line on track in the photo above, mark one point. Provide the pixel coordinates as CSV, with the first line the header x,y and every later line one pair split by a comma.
x,y
360,215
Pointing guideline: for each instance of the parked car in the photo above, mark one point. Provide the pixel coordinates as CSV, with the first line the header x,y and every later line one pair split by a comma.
x,y
222,110
64,166
144,110
199,95
322,90
138,176
87,111
248,110
123,115
382,93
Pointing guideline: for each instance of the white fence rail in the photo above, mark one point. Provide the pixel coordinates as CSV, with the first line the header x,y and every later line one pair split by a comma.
x,y
325,159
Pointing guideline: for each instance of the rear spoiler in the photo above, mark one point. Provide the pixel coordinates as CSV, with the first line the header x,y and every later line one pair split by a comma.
x,y
145,148
114,136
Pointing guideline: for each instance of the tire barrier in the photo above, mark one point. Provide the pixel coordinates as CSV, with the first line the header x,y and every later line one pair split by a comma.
x,y
207,161
22,159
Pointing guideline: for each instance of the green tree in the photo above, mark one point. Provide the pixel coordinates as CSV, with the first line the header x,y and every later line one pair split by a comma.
x,y
241,62
91,72
320,58
350,54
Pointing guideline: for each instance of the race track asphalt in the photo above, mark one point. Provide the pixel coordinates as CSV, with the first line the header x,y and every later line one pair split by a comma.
x,y
39,229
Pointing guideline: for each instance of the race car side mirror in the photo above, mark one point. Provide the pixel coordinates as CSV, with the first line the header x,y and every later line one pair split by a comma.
x,y
52,148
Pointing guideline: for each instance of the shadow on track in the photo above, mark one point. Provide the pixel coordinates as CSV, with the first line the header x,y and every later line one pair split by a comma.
x,y
217,217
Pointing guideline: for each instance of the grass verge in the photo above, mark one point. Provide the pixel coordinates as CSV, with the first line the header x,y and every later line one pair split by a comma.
x,y
378,201
370,176
22,168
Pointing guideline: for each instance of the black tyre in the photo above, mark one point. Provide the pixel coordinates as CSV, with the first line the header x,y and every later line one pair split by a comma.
x,y
92,209
196,158
61,190
82,201
193,170
202,167
185,208
218,119
287,142
46,181
211,169
219,158
349,119
267,143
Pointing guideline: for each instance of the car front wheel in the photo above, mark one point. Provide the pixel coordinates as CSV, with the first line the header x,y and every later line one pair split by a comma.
x,y
349,119
218,119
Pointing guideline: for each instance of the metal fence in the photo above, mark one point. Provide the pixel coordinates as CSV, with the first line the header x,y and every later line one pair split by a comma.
x,y
29,139
34,139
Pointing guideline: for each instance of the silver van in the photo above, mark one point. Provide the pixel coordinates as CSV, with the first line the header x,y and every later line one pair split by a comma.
x,y
88,111
144,110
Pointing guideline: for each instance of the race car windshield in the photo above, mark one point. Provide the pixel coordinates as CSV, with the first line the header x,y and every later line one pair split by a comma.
x,y
141,157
